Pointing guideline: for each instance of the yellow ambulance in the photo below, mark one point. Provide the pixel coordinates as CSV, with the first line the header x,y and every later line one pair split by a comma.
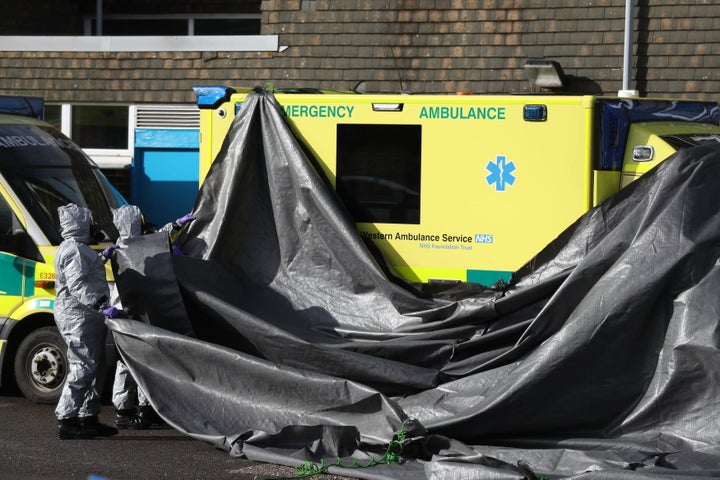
x,y
470,187
40,170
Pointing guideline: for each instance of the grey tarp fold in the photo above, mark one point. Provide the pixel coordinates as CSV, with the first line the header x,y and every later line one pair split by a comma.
x,y
598,360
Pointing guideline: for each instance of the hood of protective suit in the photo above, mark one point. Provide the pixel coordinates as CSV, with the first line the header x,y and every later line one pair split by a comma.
x,y
128,221
75,222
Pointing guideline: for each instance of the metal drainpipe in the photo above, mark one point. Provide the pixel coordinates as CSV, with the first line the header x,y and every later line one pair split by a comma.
x,y
627,53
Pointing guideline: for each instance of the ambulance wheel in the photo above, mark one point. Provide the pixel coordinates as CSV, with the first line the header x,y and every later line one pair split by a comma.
x,y
41,365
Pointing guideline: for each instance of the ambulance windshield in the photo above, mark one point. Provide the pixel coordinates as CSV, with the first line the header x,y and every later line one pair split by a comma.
x,y
45,169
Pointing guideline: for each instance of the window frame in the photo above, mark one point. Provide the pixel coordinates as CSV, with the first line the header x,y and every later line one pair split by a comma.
x,y
197,43
104,157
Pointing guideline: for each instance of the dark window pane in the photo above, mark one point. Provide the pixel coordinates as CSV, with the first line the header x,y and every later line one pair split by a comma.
x,y
52,115
157,27
229,26
15,240
102,126
378,172
7,223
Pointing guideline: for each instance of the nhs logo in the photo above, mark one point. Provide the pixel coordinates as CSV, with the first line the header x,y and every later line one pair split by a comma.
x,y
483,238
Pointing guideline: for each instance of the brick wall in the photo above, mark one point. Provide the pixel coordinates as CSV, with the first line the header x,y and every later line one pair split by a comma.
x,y
426,46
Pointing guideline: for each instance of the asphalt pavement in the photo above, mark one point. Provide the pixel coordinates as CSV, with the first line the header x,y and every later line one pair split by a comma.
x,y
29,450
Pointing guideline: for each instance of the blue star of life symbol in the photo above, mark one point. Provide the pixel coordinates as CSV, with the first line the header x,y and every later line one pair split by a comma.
x,y
501,173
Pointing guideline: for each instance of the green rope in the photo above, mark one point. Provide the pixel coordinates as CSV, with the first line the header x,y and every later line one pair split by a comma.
x,y
392,455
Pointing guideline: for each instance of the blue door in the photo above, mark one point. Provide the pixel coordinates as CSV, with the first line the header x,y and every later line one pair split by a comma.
x,y
165,173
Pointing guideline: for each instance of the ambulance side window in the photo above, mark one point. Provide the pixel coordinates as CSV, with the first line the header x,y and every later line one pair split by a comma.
x,y
6,227
378,172
6,216
13,237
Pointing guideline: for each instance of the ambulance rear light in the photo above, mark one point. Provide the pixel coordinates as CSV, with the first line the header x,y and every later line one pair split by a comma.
x,y
387,107
535,113
643,153
46,284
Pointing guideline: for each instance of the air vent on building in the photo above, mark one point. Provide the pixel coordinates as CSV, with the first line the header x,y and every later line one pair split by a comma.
x,y
168,116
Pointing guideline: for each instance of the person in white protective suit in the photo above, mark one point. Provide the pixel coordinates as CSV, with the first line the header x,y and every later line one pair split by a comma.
x,y
132,408
81,305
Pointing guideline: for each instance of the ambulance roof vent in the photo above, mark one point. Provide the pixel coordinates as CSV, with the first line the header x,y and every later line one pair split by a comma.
x,y
168,116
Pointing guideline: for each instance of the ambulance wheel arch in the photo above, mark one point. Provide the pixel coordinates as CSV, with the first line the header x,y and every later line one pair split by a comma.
x,y
39,359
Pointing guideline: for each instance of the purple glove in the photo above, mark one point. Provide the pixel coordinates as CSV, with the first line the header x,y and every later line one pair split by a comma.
x,y
187,218
111,312
107,253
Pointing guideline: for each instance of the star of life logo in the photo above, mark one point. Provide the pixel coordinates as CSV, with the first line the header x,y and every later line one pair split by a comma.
x,y
501,173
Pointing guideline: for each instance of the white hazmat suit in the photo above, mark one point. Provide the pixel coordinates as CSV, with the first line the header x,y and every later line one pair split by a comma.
x,y
128,398
82,290
126,394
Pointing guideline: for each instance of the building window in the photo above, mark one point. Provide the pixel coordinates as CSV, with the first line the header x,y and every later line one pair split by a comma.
x,y
175,24
105,132
100,126
53,115
227,26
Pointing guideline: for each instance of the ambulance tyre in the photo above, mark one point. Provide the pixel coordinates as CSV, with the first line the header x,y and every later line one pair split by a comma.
x,y
41,365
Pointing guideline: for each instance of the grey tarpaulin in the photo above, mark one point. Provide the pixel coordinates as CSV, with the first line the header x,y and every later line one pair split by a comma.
x,y
599,360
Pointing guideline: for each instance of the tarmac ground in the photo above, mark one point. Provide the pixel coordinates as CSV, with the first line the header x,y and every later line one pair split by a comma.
x,y
30,450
